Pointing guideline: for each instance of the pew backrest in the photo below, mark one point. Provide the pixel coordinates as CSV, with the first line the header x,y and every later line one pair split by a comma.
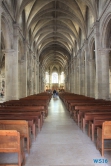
x,y
106,130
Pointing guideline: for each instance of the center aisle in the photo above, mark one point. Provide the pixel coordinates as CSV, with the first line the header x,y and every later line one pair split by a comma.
x,y
61,142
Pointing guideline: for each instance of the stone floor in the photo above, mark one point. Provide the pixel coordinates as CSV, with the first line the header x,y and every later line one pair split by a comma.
x,y
61,142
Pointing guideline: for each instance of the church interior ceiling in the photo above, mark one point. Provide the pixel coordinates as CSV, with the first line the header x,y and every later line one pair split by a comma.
x,y
56,27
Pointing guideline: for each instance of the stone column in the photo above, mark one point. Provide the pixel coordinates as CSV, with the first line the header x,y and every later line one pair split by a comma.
x,y
14,64
22,90
66,79
1,10
98,85
87,78
9,82
87,73
82,81
40,79
35,76
75,75
28,74
79,74
0,46
74,91
24,72
37,72
74,68
105,73
1,82
43,77
77,80
32,71
92,77
40,83
71,78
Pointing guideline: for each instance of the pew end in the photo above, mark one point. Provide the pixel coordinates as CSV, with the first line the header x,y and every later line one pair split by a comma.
x,y
103,134
11,142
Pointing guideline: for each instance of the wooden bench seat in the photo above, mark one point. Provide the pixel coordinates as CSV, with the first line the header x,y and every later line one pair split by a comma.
x,y
10,142
103,134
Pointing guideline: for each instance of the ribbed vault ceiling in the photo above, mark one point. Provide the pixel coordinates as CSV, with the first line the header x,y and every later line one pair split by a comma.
x,y
54,26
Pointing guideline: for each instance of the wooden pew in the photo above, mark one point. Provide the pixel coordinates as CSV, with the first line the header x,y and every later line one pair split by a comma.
x,y
30,120
103,134
80,114
26,110
82,109
10,142
31,114
96,122
88,116
72,106
32,103
77,102
92,107
19,125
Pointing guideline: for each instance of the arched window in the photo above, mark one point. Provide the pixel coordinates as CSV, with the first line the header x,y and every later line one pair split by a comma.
x,y
54,77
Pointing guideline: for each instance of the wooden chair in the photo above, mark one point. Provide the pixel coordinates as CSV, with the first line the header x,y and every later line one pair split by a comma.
x,y
103,134
10,142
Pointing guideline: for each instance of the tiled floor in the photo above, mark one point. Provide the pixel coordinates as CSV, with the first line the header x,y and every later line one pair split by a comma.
x,y
62,143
